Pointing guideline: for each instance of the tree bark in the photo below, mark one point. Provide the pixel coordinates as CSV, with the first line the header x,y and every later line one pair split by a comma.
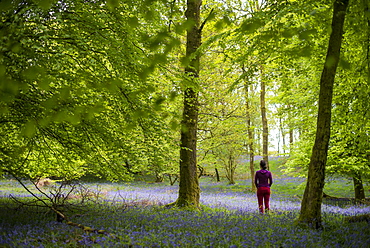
x,y
359,187
282,136
217,175
230,169
265,131
312,199
291,140
250,134
189,191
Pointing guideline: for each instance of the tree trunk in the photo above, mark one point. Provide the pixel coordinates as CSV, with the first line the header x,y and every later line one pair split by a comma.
x,y
281,127
265,131
359,187
311,204
230,169
291,140
291,135
217,175
367,44
189,192
250,134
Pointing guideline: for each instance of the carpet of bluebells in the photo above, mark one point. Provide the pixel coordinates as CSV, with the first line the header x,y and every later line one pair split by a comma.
x,y
135,215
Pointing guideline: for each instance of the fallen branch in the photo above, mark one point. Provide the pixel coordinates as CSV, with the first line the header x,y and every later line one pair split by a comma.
x,y
353,200
86,228
358,218
53,206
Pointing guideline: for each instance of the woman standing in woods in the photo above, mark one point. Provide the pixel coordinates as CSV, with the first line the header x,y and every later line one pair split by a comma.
x,y
263,182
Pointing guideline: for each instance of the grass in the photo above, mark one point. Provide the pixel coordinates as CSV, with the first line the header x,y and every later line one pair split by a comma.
x,y
135,216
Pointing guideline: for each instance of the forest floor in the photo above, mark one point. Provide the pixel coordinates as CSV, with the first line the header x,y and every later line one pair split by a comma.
x,y
134,215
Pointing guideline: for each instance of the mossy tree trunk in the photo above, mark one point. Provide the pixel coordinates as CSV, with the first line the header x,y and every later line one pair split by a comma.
x,y
359,187
189,191
311,204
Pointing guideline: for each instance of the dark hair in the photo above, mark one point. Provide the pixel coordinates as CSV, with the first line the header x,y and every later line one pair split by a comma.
x,y
263,164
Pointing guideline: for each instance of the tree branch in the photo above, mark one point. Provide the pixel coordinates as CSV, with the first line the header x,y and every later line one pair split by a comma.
x,y
205,21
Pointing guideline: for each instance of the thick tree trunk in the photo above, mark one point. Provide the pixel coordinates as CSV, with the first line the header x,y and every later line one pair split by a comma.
x,y
311,204
265,131
359,187
189,192
250,135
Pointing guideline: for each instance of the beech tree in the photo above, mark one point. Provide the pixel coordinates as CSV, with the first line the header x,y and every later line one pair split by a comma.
x,y
347,153
346,156
189,192
312,198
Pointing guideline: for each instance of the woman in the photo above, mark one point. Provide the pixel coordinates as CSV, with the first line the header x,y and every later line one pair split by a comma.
x,y
263,182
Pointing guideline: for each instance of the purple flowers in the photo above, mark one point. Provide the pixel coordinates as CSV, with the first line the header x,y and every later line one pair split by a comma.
x,y
134,216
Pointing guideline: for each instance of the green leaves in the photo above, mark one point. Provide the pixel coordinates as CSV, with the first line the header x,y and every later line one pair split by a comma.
x,y
77,90
29,129
250,26
113,3
45,4
133,21
100,82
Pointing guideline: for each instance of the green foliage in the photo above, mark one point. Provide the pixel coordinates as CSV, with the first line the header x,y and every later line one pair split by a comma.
x,y
73,96
95,87
297,96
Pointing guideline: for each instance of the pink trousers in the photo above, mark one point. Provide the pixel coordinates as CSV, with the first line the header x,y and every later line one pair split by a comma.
x,y
263,196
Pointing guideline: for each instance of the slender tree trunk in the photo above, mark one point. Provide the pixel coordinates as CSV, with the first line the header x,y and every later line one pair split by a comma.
x,y
217,175
250,134
311,204
291,136
291,140
265,131
359,187
282,135
189,192
251,167
231,169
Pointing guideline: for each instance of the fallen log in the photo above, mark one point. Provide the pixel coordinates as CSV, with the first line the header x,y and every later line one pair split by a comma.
x,y
358,218
349,199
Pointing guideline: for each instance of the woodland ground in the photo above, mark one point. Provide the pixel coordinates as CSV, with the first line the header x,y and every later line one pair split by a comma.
x,y
134,216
